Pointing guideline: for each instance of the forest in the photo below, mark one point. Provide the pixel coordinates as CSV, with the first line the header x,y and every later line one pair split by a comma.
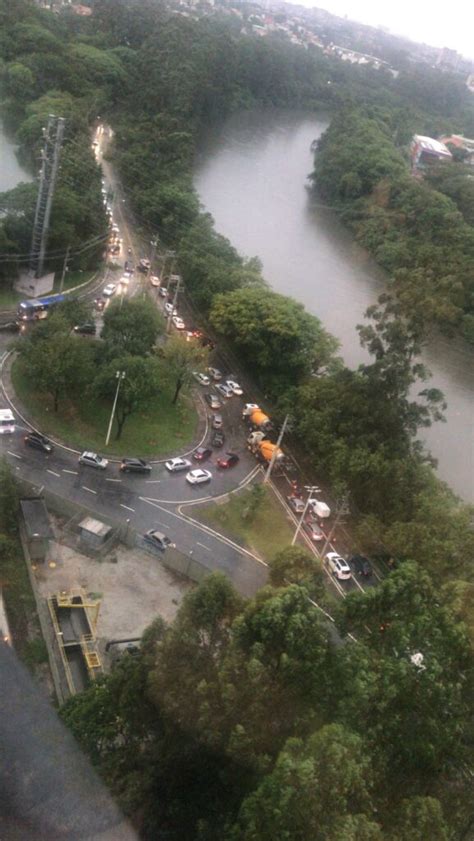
x,y
244,719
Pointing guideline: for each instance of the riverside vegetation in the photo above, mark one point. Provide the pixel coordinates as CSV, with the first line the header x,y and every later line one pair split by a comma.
x,y
243,720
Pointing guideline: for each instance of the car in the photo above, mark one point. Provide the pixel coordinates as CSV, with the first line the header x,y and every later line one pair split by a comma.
x,y
144,265
296,504
178,322
163,291
224,390
39,442
99,303
235,387
229,460
109,290
217,421
319,508
313,531
115,248
158,540
202,379
115,228
213,400
338,566
218,438
93,460
361,565
125,279
176,465
198,477
202,454
215,374
87,329
135,465
154,280
170,309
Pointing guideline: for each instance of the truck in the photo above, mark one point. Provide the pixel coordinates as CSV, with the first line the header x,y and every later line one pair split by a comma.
x,y
263,449
256,418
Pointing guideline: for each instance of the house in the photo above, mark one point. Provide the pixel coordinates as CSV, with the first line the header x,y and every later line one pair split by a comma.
x,y
426,150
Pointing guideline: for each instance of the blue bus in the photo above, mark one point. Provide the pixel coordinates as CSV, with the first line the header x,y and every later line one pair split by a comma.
x,y
37,308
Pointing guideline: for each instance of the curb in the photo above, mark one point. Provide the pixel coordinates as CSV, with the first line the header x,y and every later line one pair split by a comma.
x,y
114,460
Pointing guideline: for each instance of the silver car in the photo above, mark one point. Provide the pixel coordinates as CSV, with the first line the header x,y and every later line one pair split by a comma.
x,y
175,465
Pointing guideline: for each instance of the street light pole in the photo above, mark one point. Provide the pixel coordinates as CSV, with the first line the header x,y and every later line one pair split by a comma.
x,y
275,451
120,375
311,490
65,269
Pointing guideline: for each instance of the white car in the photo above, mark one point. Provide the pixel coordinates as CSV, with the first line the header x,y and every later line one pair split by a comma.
x,y
170,310
198,477
338,566
235,388
125,279
178,322
93,460
202,379
319,508
155,280
215,374
175,465
224,390
109,290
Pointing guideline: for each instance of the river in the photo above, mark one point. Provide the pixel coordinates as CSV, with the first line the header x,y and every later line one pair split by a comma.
x,y
11,172
251,177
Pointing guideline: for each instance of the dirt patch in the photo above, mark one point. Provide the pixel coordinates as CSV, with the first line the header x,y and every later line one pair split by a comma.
x,y
134,588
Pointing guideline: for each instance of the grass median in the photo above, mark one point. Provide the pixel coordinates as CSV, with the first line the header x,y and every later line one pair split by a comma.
x,y
254,518
160,430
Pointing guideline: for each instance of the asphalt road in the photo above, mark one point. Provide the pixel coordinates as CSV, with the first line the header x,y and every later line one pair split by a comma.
x,y
161,500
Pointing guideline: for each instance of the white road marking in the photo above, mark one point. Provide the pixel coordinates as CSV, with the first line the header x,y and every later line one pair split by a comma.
x,y
152,481
53,473
15,455
127,507
113,480
88,489
204,547
74,472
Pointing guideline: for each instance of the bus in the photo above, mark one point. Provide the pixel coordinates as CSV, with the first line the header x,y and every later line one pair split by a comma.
x,y
37,308
7,421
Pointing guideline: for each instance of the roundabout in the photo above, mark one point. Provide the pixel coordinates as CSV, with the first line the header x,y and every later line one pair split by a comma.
x,y
159,501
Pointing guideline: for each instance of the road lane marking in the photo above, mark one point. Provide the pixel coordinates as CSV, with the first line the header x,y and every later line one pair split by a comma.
x,y
88,489
15,455
153,481
74,472
53,472
127,507
204,547
113,480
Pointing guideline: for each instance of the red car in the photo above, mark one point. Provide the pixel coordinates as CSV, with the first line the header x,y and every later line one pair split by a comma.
x,y
229,460
202,454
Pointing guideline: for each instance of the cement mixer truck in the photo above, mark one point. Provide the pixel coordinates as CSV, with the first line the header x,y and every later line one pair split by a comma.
x,y
256,418
263,449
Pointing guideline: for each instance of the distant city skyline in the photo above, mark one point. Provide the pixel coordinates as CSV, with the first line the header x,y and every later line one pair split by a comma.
x,y
423,21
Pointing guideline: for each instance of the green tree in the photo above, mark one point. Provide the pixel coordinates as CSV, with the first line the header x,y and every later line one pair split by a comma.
x,y
320,788
417,819
181,359
8,500
137,390
131,327
56,361
294,565
274,334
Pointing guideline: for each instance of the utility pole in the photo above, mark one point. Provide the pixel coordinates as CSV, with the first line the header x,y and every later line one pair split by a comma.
x,y
53,138
175,299
312,489
275,451
120,375
342,509
65,269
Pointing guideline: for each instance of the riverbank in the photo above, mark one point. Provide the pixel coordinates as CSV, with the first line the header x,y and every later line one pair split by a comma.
x,y
251,177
